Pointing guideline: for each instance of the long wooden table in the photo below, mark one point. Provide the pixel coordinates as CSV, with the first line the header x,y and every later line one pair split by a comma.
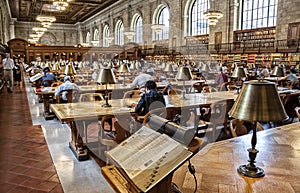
x,y
74,112
216,164
117,91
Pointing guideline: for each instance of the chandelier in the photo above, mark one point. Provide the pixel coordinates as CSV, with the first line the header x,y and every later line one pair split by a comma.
x,y
61,4
43,18
213,16
46,21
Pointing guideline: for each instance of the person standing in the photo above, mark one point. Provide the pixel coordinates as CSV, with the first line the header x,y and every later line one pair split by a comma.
x,y
17,72
8,65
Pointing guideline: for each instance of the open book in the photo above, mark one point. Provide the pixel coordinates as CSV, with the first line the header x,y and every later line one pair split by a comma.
x,y
148,156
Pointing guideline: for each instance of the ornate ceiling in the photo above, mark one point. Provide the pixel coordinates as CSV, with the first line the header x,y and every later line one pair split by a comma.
x,y
77,11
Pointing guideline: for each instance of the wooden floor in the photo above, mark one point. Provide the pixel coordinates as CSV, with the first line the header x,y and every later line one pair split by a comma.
x,y
25,161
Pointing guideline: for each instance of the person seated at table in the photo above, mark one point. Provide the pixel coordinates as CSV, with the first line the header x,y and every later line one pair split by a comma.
x,y
150,100
65,86
141,79
292,78
49,76
221,77
264,72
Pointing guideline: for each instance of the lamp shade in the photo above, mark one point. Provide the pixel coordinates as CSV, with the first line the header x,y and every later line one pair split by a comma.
x,y
205,68
168,68
106,75
278,71
184,73
123,68
69,69
258,101
55,66
239,73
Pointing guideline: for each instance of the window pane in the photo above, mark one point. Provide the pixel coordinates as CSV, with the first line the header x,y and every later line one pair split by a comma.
x,y
258,13
199,25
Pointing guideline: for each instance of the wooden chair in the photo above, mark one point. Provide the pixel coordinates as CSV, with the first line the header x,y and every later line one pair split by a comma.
x,y
238,128
132,94
72,95
219,117
290,102
297,109
197,87
87,97
108,139
55,84
175,91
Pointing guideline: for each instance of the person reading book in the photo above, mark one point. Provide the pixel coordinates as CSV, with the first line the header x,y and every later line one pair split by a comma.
x,y
151,99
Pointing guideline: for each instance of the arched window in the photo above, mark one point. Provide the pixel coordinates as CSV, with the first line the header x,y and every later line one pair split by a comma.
x,y
119,35
106,34
137,26
258,13
162,17
88,38
198,23
96,38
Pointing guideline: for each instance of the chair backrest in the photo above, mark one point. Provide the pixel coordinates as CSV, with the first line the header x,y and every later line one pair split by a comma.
x,y
86,97
297,109
132,94
197,87
174,91
55,84
71,94
290,102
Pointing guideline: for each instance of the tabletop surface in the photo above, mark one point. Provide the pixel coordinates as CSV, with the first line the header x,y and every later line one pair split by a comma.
x,y
216,164
86,110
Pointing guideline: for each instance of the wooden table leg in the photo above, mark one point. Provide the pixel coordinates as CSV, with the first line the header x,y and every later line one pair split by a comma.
x,y
76,144
47,114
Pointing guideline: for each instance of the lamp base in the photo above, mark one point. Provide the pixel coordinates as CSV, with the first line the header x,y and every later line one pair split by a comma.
x,y
106,105
249,171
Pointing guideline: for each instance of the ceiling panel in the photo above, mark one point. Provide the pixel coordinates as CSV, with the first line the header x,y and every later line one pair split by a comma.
x,y
77,11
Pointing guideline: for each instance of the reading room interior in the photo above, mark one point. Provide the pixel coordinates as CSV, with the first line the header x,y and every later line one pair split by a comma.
x,y
154,96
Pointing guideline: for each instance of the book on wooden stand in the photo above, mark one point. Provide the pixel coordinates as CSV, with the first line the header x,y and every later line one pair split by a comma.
x,y
145,161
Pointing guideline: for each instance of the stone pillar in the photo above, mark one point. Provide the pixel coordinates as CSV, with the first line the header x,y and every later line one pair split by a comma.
x,y
12,28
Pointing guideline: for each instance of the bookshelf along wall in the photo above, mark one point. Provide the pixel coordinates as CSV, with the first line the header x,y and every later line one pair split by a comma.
x,y
264,59
254,38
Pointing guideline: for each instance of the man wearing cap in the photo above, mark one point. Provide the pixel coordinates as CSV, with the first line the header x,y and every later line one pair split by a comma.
x,y
8,65
65,86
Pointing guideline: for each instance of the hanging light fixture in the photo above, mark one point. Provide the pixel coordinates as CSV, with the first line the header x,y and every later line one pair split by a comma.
x,y
61,4
213,15
43,18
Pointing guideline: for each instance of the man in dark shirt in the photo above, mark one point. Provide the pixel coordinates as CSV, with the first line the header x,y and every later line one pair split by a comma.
x,y
152,99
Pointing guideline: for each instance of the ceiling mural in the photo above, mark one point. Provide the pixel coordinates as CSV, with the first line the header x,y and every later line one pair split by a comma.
x,y
76,11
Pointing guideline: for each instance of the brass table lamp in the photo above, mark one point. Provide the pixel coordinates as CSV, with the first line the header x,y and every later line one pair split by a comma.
x,y
168,70
69,69
122,70
258,101
106,76
184,73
